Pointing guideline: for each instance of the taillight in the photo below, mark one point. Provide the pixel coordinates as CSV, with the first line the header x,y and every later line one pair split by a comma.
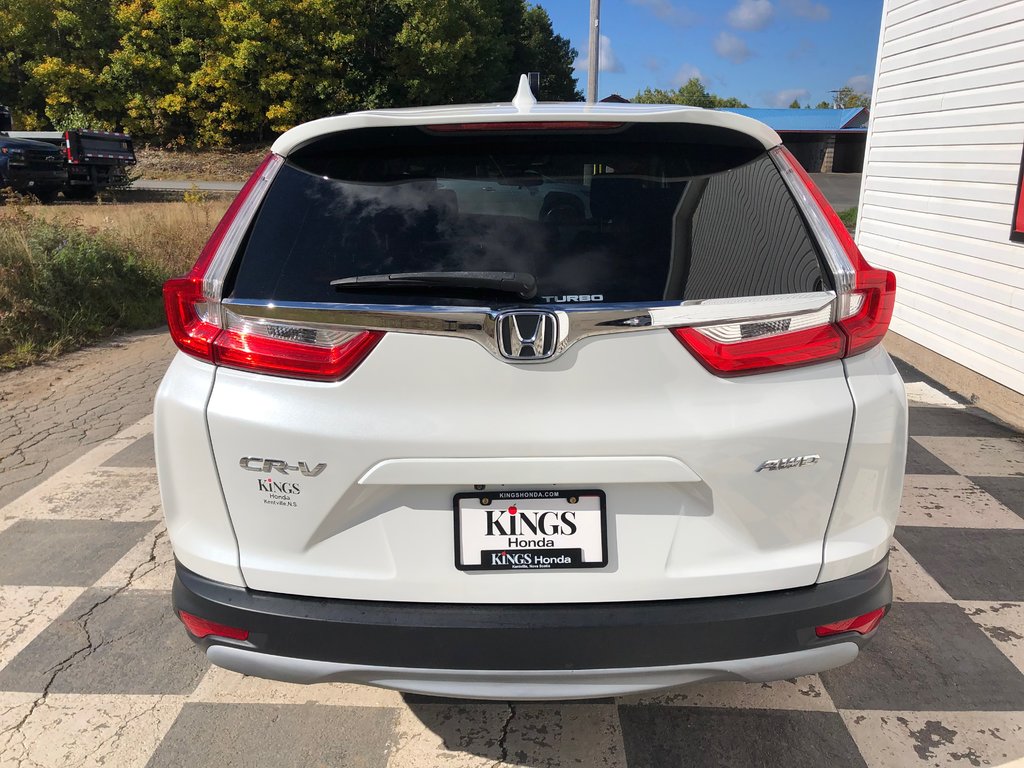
x,y
862,624
858,322
869,309
284,349
201,628
784,350
190,316
203,328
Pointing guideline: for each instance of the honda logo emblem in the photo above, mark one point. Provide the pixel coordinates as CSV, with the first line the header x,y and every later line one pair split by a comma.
x,y
527,335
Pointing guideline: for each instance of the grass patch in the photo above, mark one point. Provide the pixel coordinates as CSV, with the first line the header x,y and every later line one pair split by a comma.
x,y
849,218
166,235
70,275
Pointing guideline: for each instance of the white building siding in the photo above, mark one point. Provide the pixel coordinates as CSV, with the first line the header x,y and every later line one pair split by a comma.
x,y
940,178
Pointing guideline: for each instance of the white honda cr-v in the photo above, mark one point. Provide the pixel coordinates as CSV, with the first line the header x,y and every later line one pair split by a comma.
x,y
429,432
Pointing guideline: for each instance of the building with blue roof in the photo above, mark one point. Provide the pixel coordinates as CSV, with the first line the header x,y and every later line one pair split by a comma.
x,y
823,140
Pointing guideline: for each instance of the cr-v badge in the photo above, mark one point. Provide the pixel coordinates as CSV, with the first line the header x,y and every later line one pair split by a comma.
x,y
254,464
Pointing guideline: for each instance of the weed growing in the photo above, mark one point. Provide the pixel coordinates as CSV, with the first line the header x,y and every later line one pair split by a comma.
x,y
849,217
67,280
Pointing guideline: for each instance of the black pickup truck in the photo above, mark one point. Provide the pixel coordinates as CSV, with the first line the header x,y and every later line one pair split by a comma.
x,y
78,162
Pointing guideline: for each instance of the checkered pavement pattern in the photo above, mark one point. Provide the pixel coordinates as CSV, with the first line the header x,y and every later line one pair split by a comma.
x,y
95,669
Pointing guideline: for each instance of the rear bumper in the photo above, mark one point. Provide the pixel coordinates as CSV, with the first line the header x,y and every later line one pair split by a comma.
x,y
533,651
535,684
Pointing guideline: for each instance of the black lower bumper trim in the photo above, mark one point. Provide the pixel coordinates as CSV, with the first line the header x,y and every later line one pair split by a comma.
x,y
563,636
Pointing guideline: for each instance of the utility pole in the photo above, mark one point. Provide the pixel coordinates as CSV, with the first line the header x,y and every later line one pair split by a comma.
x,y
594,58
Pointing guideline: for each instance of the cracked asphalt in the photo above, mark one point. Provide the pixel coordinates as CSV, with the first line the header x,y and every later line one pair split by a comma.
x,y
95,669
87,646
52,413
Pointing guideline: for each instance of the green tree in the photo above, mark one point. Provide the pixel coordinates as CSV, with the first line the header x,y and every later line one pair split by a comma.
x,y
538,49
161,44
218,72
52,53
794,104
823,105
458,51
847,98
692,93
451,51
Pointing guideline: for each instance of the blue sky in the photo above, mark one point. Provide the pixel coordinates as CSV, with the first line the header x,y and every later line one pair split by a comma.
x,y
765,52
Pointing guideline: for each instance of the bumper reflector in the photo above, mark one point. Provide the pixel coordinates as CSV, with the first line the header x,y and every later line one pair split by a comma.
x,y
859,624
203,628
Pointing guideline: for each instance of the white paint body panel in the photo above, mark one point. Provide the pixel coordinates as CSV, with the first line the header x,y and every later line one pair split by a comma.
x,y
940,177
508,112
197,518
674,448
869,493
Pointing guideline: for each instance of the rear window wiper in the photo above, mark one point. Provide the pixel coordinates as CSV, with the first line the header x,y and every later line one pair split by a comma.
x,y
521,283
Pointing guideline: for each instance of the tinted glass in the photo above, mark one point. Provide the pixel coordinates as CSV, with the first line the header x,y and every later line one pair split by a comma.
x,y
637,214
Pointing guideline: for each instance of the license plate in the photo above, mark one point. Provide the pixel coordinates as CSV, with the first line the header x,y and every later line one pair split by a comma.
x,y
530,530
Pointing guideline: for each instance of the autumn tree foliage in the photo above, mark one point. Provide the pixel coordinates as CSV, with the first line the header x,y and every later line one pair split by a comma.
x,y
220,72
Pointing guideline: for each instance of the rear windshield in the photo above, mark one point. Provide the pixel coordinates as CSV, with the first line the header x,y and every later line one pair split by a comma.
x,y
641,213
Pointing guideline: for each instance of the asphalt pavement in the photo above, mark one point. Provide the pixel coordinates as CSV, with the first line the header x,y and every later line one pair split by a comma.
x,y
842,190
96,670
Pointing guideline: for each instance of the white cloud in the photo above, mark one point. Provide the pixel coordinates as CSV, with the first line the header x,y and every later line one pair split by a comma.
x,y
860,83
730,47
808,9
785,97
686,73
608,61
653,63
752,14
668,11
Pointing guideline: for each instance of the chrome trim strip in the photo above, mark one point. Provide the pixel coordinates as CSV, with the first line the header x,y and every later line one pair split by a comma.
x,y
838,261
213,279
574,322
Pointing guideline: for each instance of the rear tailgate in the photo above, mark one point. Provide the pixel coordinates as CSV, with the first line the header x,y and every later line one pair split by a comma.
x,y
674,448
712,484
99,147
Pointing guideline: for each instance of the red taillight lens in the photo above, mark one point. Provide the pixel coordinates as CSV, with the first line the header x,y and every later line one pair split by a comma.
x,y
203,328
862,625
192,317
788,350
280,357
876,287
203,628
276,348
865,327
188,317
861,320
